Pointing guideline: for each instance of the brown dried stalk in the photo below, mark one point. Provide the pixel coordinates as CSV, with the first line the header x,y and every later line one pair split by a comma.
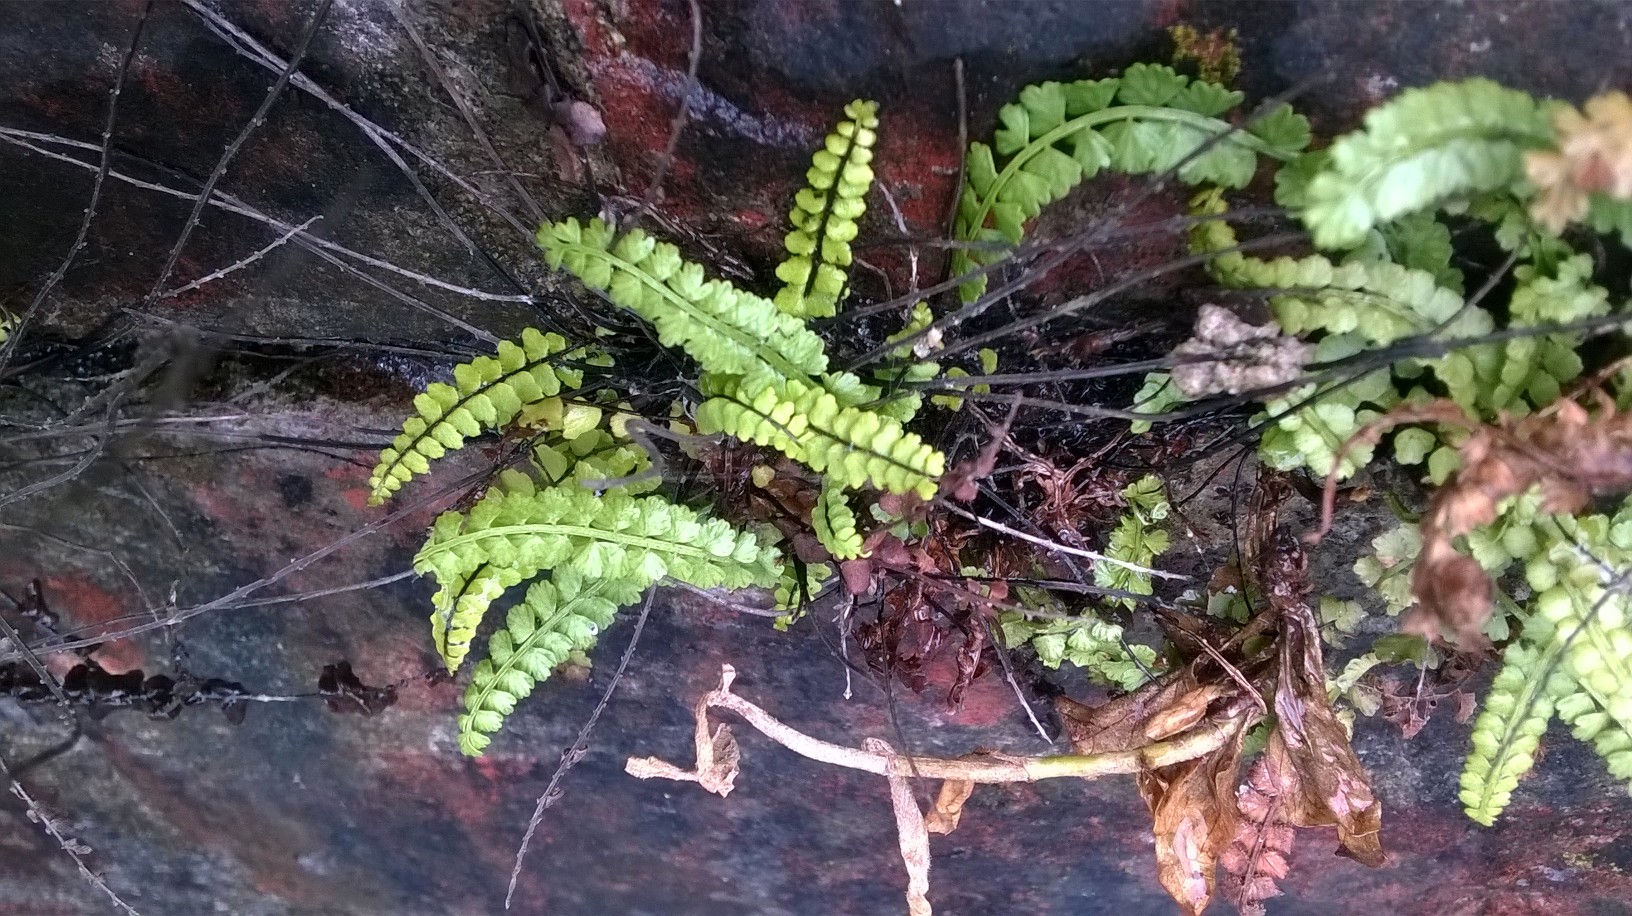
x,y
717,767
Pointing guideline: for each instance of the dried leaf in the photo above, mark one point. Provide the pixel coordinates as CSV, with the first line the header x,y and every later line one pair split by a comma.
x,y
1185,712
344,692
1568,451
1257,856
949,806
1594,154
1332,787
1119,724
1193,812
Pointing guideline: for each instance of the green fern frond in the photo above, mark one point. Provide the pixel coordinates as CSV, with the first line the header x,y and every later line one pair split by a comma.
x,y
1059,135
791,591
1380,301
857,447
1310,434
1095,645
559,616
1608,736
487,394
1422,149
511,535
1136,540
825,214
835,523
725,329
1505,736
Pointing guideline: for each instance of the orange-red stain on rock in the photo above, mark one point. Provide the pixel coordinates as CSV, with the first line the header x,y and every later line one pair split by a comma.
x,y
82,603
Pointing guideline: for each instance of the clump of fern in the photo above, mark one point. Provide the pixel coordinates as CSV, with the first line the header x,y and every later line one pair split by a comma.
x,y
1383,273
580,524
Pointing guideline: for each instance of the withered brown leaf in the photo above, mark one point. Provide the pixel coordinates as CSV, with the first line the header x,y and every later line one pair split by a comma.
x,y
1193,815
1257,856
1331,787
948,808
1119,724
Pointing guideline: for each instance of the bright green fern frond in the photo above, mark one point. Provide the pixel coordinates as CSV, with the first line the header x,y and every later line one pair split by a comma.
x,y
825,214
835,523
1516,711
560,616
1058,135
1135,540
487,394
1593,625
725,329
512,535
1424,148
1095,645
857,447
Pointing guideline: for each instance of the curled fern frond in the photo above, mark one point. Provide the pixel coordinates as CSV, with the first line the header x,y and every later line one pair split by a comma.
x,y
856,447
511,535
1058,135
559,616
1516,711
487,393
825,214
725,329
1424,148
835,523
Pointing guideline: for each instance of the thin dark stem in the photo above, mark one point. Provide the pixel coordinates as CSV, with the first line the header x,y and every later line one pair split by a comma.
x,y
655,189
237,143
8,346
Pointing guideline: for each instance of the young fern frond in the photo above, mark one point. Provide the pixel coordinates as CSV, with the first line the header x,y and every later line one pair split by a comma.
x,y
1136,540
857,447
487,394
825,215
835,523
1059,135
559,616
724,328
1422,149
1093,644
1516,711
511,535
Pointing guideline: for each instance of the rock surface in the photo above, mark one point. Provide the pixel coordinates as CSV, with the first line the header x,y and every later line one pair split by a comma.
x,y
300,810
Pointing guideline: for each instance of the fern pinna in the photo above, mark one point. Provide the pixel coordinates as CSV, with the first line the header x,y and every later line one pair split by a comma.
x,y
577,517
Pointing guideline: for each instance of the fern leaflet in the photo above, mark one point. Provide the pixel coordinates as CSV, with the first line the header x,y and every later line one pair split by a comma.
x,y
835,523
1516,711
487,394
511,535
825,214
857,447
559,616
1422,149
725,329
